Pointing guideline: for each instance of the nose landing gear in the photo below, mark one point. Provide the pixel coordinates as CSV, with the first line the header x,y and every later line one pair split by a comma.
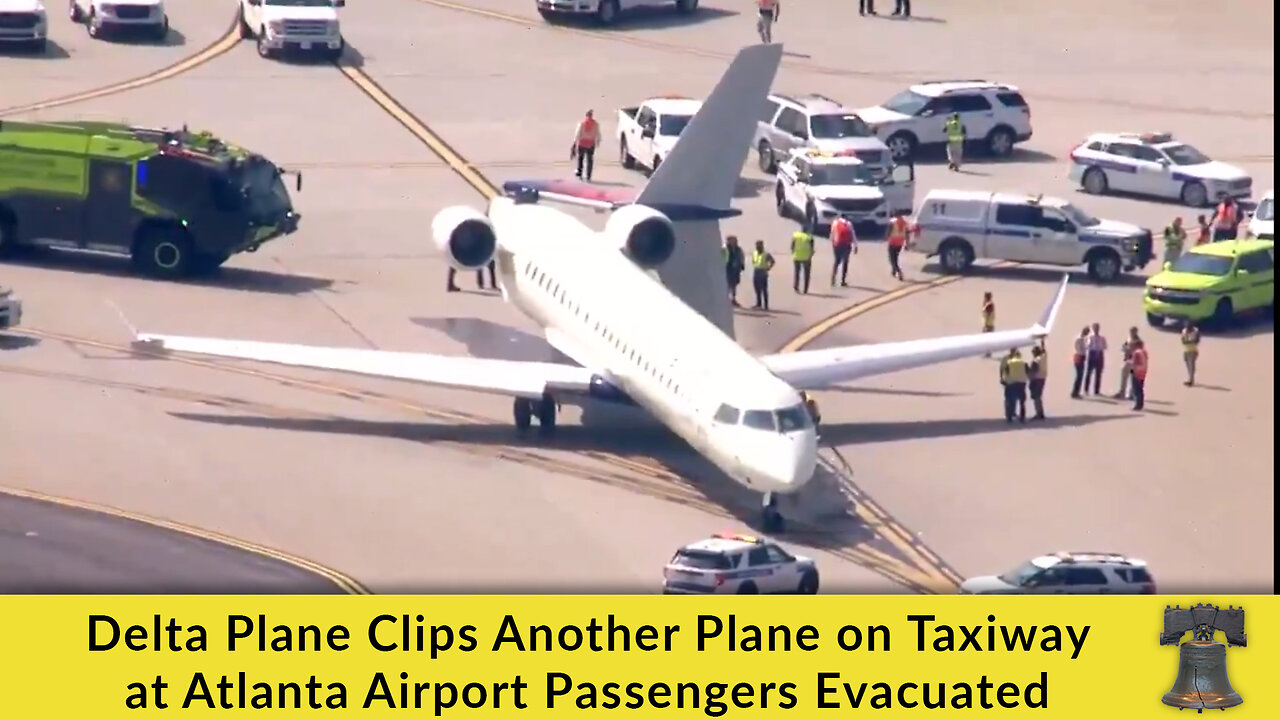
x,y
544,409
771,518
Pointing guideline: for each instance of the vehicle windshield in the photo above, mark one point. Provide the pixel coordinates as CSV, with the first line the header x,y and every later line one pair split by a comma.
x,y
1266,210
672,125
1022,574
1185,155
1079,217
702,560
907,102
831,127
794,418
759,420
842,175
298,3
264,189
1198,264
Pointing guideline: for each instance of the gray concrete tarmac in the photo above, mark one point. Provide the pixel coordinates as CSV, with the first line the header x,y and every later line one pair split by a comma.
x,y
374,490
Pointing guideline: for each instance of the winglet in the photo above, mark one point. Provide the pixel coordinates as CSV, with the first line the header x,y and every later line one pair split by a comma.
x,y
1045,324
148,345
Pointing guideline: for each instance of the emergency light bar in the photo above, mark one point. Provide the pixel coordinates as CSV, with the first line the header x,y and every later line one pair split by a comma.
x,y
736,536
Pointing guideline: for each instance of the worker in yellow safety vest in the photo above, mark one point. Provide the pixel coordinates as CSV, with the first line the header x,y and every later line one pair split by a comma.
x,y
955,141
1038,373
761,264
1190,350
1175,237
802,258
1013,376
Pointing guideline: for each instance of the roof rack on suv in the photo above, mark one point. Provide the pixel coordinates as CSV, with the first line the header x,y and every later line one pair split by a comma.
x,y
980,81
819,96
1090,556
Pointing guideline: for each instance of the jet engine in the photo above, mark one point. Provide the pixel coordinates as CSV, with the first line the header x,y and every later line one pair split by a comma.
x,y
642,234
465,236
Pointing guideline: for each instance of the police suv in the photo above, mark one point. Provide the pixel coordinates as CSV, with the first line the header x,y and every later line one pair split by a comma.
x,y
742,564
101,17
818,122
818,186
24,23
1157,165
960,226
1077,573
995,116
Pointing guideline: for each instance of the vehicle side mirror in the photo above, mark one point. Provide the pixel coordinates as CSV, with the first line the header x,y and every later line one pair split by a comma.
x,y
1068,228
255,3
1241,271
802,134
339,3
1168,265
927,112
646,132
298,183
1164,162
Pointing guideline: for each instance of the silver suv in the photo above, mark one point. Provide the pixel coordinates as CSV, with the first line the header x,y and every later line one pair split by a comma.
x,y
815,121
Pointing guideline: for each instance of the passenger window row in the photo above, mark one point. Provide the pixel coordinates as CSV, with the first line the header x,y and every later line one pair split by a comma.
x,y
638,359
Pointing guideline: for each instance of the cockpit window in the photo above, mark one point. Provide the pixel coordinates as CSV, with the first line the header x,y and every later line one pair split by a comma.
x,y
794,418
759,420
728,415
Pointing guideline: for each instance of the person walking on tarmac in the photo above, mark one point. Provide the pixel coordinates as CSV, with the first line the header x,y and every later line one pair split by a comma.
x,y
1126,370
1095,359
1204,233
761,264
586,137
1038,373
843,244
1175,238
452,285
955,141
1140,363
1190,350
802,259
1078,358
902,8
768,15
1013,376
1226,220
734,264
866,7
988,314
899,230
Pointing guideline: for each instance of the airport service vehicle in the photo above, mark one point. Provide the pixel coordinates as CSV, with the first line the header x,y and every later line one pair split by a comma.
x,y
1155,165
1215,282
995,115
648,132
10,309
177,202
817,122
1072,573
636,342
101,17
960,226
605,12
1263,223
817,186
293,26
738,564
24,23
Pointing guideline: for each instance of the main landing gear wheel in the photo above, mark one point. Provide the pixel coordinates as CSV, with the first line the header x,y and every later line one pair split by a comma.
x,y
770,516
525,410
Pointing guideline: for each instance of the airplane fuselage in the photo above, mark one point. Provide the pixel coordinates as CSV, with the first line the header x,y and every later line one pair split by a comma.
x,y
608,314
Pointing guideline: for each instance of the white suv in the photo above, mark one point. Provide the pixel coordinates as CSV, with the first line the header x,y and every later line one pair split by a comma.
x,y
817,122
1075,573
101,17
817,186
741,564
24,22
995,117
300,25
1263,223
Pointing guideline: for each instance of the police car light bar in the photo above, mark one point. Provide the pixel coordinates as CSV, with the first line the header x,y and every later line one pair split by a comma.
x,y
736,536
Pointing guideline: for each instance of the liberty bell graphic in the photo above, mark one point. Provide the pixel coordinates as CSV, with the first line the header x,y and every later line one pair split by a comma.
x,y
1202,662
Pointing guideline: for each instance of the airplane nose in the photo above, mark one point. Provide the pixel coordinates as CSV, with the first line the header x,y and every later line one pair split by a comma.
x,y
796,461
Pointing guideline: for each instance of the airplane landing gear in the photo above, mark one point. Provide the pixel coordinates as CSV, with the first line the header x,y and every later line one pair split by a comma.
x,y
770,516
524,411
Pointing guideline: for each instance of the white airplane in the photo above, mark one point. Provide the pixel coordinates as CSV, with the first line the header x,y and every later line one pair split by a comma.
x,y
636,342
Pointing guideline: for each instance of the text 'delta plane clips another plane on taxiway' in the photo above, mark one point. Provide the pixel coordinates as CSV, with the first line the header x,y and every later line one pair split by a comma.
x,y
637,342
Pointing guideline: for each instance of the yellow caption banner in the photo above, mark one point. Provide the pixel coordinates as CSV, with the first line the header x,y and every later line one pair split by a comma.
x,y
635,656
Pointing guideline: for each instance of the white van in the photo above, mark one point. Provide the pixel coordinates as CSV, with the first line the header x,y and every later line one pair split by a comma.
x,y
1263,223
960,226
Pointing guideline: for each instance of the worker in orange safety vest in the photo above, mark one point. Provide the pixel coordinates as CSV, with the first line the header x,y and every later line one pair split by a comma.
x,y
899,232
586,137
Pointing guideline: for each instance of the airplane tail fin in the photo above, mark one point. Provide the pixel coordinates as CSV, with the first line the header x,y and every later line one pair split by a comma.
x,y
702,170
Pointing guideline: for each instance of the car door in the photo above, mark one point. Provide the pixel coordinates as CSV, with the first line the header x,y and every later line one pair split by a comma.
x,y
786,572
108,210
976,114
791,173
758,570
899,188
930,124
1013,231
1086,580
646,128
1154,174
1057,243
1050,582
1121,167
768,115
1255,276
792,131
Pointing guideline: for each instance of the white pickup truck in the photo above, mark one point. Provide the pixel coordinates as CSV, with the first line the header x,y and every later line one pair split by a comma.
x,y
647,133
10,309
605,12
297,25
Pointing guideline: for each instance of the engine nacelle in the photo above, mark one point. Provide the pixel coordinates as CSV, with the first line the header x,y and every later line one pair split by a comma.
x,y
643,234
465,236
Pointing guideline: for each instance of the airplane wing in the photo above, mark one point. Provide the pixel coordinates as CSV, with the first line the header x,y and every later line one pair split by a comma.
x,y
498,377
817,369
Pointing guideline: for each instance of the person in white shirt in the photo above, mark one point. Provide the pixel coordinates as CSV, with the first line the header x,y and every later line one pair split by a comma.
x,y
1095,360
1081,350
1126,372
